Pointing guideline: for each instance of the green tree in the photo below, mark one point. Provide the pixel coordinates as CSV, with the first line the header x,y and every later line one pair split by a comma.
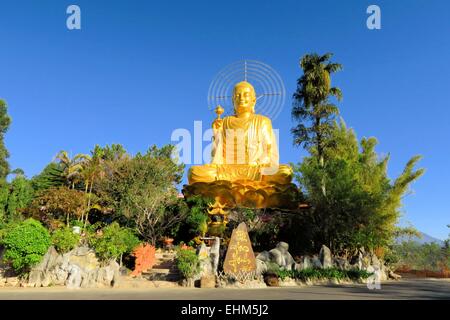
x,y
5,122
57,204
362,205
64,239
312,107
71,167
113,242
25,244
140,190
51,176
20,196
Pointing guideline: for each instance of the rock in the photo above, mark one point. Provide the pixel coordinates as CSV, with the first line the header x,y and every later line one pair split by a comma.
x,y
261,267
60,275
48,261
357,261
81,251
315,261
75,277
279,256
341,263
90,279
287,261
12,282
374,261
75,269
46,279
307,263
203,252
215,255
34,278
208,282
298,266
393,275
240,257
85,259
325,257
271,280
264,256
188,283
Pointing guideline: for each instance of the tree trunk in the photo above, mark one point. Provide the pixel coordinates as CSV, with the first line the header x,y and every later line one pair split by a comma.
x,y
89,203
85,191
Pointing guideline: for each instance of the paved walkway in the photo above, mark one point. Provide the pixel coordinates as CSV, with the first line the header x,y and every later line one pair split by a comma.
x,y
404,289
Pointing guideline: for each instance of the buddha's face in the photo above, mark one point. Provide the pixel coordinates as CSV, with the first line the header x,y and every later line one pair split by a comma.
x,y
244,97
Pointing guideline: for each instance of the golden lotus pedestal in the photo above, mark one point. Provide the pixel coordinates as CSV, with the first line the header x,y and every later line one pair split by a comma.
x,y
246,193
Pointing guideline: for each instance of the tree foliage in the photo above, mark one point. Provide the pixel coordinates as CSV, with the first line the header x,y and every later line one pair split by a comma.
x,y
141,191
312,106
362,205
25,244
64,239
5,122
113,242
60,203
415,256
20,195
51,176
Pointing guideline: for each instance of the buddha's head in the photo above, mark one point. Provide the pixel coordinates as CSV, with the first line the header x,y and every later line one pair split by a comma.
x,y
244,98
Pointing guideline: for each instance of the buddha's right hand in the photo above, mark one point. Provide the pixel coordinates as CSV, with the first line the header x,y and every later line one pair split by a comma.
x,y
217,124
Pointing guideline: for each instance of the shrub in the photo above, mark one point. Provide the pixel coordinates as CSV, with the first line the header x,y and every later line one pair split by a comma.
x,y
25,244
187,262
64,239
113,242
329,273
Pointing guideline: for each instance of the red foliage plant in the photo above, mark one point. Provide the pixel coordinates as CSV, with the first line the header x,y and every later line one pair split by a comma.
x,y
145,258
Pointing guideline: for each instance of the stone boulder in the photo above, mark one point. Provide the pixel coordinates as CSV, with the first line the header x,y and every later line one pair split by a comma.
x,y
315,261
214,255
325,257
279,255
271,280
261,267
341,263
78,268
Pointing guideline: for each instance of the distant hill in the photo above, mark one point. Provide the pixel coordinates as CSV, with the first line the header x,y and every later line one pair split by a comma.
x,y
424,239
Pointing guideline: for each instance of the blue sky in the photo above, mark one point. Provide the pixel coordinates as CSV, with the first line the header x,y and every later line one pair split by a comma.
x,y
140,69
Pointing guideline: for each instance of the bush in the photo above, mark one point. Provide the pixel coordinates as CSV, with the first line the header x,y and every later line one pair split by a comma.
x,y
113,242
25,244
414,256
187,262
64,239
329,273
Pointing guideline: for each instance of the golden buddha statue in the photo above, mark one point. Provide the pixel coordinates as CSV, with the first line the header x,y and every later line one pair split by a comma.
x,y
244,146
245,169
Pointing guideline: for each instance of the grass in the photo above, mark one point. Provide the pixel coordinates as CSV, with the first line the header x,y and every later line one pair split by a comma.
x,y
322,274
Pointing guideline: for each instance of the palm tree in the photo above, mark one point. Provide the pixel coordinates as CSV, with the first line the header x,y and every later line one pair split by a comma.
x,y
311,102
71,167
312,107
92,170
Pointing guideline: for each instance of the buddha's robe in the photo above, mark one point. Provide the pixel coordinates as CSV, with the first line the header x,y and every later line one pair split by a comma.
x,y
243,149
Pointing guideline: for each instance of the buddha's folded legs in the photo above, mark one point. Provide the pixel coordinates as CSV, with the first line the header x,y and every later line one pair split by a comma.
x,y
210,173
282,176
204,173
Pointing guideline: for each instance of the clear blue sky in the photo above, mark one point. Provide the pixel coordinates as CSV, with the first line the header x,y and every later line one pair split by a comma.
x,y
139,69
